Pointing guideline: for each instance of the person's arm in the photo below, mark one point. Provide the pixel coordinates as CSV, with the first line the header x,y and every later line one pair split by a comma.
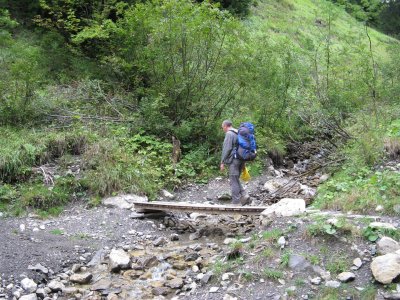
x,y
226,149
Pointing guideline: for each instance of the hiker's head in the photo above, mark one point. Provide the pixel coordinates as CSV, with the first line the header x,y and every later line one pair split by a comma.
x,y
226,125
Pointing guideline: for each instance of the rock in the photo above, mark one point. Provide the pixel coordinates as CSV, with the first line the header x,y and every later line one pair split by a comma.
x,y
282,242
332,284
174,237
206,277
167,194
325,275
39,268
160,291
226,276
41,293
387,245
161,241
146,262
392,296
228,241
118,202
194,216
271,187
298,262
119,259
82,278
29,297
324,178
316,280
307,191
195,269
285,208
195,235
385,268
28,285
379,208
175,283
102,284
192,256
97,258
214,289
70,290
56,286
357,262
379,225
224,197
229,297
22,227
346,276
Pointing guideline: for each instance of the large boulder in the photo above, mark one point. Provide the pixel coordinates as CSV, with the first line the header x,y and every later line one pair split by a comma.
x,y
119,259
123,201
387,245
285,208
386,268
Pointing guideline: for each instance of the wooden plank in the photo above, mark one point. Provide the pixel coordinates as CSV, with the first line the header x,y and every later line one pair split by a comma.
x,y
203,208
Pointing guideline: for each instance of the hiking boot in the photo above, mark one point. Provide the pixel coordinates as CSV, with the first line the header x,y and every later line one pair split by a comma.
x,y
245,200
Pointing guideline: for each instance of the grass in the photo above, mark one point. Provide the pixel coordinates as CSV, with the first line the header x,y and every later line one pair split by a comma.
x,y
337,264
285,257
271,273
272,235
57,232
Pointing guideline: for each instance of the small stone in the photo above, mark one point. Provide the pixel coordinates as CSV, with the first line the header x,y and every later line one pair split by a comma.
x,y
41,293
229,297
206,277
357,262
161,241
174,237
161,291
332,284
119,259
282,242
56,286
22,227
379,208
28,285
191,256
167,194
175,283
70,290
226,276
316,280
83,278
228,241
195,269
214,289
224,197
39,268
346,276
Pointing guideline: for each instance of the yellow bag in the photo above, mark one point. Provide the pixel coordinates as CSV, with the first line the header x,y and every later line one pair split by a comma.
x,y
245,176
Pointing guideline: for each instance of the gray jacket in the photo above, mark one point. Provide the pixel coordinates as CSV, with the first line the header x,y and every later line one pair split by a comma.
x,y
229,146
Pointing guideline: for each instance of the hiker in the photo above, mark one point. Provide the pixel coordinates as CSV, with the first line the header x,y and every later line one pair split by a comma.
x,y
239,196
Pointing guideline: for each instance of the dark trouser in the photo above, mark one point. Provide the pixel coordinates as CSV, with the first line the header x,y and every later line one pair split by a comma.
x,y
237,191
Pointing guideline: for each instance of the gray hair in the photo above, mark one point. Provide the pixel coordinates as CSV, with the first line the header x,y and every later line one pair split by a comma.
x,y
227,123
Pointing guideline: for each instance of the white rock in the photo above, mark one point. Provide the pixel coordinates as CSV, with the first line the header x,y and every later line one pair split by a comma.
x,y
194,216
380,225
200,276
387,245
118,202
229,297
228,241
316,280
357,262
35,229
379,208
29,297
282,242
332,284
385,268
28,285
119,259
226,276
56,286
42,227
346,276
195,268
214,289
167,194
285,208
22,227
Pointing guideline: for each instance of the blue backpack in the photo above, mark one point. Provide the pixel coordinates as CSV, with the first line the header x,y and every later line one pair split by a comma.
x,y
247,147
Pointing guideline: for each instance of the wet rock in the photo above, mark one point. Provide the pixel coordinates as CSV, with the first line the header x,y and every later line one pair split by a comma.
x,y
387,245
56,286
386,268
332,284
285,208
28,285
298,262
29,297
346,276
161,241
161,291
175,283
119,259
39,268
82,278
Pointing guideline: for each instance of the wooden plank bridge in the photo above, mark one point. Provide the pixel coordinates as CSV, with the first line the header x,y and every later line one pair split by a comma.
x,y
196,207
